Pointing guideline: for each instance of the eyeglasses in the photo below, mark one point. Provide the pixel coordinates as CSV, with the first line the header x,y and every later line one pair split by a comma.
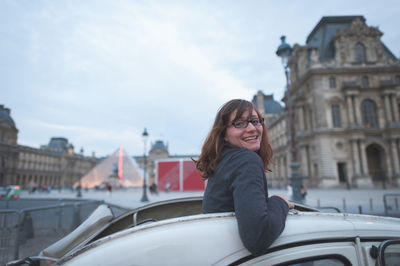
x,y
244,123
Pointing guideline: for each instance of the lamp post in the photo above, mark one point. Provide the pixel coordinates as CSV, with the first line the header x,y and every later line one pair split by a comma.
x,y
284,52
79,189
145,136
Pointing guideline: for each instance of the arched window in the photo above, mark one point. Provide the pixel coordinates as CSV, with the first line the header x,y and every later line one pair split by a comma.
x,y
336,119
364,82
359,53
369,117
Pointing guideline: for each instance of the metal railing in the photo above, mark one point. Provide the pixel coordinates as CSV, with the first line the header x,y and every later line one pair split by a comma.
x,y
9,234
25,231
391,203
388,206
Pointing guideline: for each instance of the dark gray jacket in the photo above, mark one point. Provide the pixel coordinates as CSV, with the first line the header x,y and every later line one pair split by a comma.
x,y
239,184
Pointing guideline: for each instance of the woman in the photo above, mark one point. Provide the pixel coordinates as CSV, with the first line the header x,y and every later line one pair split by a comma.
x,y
234,158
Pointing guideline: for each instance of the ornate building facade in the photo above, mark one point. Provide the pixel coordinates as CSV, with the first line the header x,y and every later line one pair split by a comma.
x,y
275,118
54,164
345,89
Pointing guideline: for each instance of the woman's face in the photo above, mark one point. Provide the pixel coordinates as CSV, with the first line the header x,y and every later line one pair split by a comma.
x,y
248,137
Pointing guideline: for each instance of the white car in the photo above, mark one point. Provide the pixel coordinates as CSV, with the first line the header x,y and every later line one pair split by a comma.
x,y
174,233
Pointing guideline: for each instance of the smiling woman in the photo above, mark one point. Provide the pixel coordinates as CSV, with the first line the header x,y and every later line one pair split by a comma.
x,y
245,132
234,159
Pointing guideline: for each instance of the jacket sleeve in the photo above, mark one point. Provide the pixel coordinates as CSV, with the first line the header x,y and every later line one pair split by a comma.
x,y
260,219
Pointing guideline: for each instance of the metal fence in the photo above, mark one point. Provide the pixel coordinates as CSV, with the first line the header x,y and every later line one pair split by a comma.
x,y
27,230
388,205
392,204
9,234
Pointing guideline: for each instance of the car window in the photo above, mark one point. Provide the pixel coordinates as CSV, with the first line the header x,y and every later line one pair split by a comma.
x,y
392,255
317,262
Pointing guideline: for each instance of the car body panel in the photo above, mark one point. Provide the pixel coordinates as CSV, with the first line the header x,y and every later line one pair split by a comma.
x,y
175,241
165,242
315,226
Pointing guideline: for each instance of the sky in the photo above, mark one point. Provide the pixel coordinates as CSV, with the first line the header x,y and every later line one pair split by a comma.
x,y
98,72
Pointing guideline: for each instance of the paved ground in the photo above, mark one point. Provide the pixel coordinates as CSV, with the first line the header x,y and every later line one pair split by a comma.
x,y
370,200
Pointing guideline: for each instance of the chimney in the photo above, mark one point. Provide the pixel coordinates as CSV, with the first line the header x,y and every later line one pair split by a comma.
x,y
260,102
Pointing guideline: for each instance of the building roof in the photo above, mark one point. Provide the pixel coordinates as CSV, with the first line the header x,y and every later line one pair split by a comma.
x,y
270,105
321,36
340,21
5,115
58,145
159,145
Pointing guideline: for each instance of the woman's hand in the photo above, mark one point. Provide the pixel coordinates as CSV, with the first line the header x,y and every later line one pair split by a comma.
x,y
291,205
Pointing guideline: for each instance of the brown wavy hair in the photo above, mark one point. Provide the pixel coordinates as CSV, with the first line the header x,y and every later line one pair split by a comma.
x,y
215,142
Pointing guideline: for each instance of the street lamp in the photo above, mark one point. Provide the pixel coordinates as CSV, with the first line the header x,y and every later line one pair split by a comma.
x,y
145,136
284,52
79,189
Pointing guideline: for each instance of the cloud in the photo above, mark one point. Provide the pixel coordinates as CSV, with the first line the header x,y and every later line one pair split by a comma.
x,y
98,72
111,138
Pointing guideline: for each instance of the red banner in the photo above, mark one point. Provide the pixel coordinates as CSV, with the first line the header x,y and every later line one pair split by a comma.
x,y
191,178
178,175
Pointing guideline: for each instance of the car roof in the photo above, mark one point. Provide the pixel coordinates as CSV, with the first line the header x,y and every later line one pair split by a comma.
x,y
318,225
216,235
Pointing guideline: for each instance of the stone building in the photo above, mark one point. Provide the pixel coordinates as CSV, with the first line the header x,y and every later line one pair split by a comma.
x,y
344,84
53,165
8,146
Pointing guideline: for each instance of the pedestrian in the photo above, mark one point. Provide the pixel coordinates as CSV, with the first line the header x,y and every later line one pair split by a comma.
x,y
153,188
303,192
32,187
109,189
233,160
167,187
78,191
289,190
